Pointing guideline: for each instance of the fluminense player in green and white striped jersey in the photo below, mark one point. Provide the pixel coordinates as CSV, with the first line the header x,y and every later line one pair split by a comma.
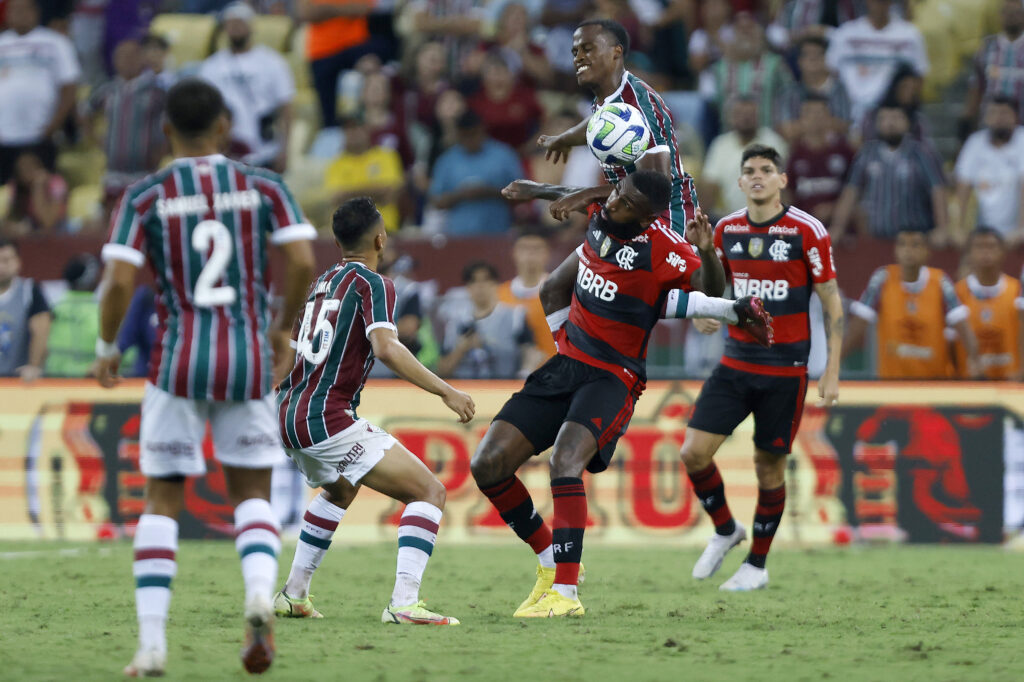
x,y
204,225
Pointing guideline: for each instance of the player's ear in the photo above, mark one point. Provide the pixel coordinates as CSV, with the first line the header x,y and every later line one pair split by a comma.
x,y
785,179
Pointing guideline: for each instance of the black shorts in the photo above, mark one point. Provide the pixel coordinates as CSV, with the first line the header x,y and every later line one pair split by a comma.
x,y
777,402
564,389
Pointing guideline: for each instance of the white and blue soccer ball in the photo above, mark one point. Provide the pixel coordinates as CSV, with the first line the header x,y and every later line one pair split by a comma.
x,y
617,134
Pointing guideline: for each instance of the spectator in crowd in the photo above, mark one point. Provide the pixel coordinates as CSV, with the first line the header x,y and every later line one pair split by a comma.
x,y
715,34
38,199
748,69
132,107
121,20
487,339
155,50
530,254
386,122
509,109
866,52
798,20
911,305
337,38
458,24
75,327
897,181
819,161
138,332
257,87
991,168
365,169
815,80
905,91
512,42
468,178
414,302
37,86
994,303
998,66
423,85
24,319
717,187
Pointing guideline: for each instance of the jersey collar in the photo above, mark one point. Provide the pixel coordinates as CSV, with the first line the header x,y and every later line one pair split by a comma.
x,y
618,93
771,221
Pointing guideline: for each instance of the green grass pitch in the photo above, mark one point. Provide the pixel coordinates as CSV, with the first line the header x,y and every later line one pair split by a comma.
x,y
897,613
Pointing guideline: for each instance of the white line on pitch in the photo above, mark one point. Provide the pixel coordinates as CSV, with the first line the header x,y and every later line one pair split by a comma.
x,y
71,551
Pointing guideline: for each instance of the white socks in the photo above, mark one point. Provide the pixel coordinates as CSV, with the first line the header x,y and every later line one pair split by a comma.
x,y
568,591
258,541
701,305
547,557
318,525
417,532
156,545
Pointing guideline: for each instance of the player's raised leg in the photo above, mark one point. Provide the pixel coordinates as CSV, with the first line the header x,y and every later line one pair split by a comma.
x,y
502,451
698,451
258,541
401,476
155,549
319,523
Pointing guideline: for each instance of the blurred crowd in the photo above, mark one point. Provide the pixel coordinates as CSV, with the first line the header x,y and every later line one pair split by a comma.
x,y
432,106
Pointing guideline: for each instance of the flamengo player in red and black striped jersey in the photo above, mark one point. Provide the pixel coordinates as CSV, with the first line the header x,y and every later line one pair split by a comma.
x,y
599,48
204,225
347,322
604,301
781,254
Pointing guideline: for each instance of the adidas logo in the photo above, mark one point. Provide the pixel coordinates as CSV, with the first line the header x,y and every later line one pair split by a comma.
x,y
737,248
597,422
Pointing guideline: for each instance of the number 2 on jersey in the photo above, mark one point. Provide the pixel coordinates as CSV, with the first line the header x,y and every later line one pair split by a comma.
x,y
206,294
323,329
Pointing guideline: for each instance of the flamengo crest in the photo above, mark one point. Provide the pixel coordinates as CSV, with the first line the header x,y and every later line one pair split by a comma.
x,y
625,257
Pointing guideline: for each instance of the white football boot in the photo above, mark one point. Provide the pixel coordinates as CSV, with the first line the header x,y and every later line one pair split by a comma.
x,y
147,663
746,578
718,546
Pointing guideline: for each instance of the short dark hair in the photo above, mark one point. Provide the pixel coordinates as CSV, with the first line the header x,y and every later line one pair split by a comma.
x,y
155,39
762,151
476,266
613,28
468,120
353,220
1006,100
820,41
7,243
193,106
538,232
985,231
655,186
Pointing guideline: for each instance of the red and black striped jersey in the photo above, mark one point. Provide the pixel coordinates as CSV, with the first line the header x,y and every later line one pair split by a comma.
x,y
780,261
333,353
619,293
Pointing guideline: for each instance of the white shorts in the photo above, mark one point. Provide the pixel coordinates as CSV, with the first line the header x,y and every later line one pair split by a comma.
x,y
245,434
351,453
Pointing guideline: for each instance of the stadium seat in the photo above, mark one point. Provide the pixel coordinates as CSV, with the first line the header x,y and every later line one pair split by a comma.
x,y
272,30
82,166
85,202
190,35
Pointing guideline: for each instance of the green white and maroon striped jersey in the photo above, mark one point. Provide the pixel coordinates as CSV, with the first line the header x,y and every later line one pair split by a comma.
x,y
204,225
333,354
636,92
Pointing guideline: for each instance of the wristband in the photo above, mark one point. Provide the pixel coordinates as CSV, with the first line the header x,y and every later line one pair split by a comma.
x,y
105,349
557,319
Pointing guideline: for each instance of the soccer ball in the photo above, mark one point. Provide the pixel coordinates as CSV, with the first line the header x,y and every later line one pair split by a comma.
x,y
617,134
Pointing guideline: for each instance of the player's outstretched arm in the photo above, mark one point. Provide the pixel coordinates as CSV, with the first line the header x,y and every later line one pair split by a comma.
x,y
832,314
116,294
558,146
389,350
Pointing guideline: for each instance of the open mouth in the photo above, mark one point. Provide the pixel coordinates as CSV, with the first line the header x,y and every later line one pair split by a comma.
x,y
581,68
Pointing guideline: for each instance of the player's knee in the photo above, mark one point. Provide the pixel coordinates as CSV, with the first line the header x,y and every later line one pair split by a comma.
x,y
770,469
567,464
694,456
485,465
435,493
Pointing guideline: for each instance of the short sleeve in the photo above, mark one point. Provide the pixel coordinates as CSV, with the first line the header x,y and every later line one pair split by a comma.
x,y
675,262
284,82
867,307
858,171
660,124
919,58
931,167
965,167
38,303
955,310
127,239
818,254
68,70
287,223
439,183
377,301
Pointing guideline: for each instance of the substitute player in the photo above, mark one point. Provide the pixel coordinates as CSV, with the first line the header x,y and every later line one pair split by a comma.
x,y
348,321
204,225
779,253
581,400
599,49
